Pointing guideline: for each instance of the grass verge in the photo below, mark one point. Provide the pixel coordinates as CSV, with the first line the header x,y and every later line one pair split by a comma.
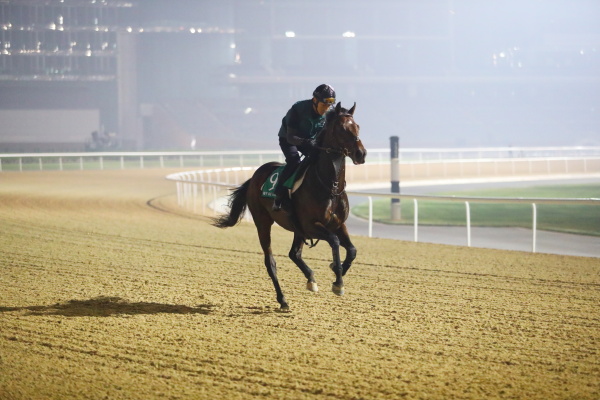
x,y
579,219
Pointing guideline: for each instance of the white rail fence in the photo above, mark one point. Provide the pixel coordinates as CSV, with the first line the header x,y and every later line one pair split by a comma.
x,y
204,159
226,169
131,160
196,190
468,200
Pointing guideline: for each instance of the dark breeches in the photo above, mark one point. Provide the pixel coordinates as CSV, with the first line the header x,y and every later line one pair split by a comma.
x,y
290,151
292,159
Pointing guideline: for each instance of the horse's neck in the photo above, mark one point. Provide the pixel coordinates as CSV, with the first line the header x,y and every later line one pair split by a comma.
x,y
331,170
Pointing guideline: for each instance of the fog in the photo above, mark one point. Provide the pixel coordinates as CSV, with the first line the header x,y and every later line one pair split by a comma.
x,y
451,73
435,73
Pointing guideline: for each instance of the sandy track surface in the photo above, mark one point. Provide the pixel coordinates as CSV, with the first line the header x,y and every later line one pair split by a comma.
x,y
107,291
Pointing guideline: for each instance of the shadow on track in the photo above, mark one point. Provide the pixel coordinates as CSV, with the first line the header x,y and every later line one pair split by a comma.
x,y
108,306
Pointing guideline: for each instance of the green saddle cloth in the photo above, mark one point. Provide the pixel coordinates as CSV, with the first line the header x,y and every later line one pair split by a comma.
x,y
268,188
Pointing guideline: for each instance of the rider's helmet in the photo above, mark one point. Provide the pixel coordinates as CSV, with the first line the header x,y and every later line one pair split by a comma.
x,y
325,94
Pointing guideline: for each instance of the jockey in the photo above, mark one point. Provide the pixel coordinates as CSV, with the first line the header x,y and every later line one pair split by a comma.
x,y
298,132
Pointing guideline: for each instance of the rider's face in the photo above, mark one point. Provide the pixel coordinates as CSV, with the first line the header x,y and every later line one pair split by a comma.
x,y
322,107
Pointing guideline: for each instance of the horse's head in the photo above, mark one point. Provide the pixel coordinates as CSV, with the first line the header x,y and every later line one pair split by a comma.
x,y
341,134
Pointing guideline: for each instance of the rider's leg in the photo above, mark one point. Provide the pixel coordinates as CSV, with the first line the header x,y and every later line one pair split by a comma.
x,y
281,192
292,159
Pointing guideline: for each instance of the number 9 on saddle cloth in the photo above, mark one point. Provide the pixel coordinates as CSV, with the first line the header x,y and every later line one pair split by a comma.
x,y
292,183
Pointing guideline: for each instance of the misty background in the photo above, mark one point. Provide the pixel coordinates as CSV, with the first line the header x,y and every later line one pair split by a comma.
x,y
209,75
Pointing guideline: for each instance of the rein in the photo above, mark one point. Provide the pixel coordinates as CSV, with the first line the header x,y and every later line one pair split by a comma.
x,y
329,150
335,190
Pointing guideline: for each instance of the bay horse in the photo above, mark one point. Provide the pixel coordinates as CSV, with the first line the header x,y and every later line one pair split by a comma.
x,y
320,204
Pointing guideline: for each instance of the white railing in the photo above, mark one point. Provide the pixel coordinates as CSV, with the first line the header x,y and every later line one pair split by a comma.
x,y
241,158
467,200
206,185
415,164
124,160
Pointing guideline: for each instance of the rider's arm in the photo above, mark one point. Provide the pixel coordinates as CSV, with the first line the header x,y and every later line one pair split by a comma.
x,y
292,133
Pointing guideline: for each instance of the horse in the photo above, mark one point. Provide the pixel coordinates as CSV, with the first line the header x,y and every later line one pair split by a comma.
x,y
320,204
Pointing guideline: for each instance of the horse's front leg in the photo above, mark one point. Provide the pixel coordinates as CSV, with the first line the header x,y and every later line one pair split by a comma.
x,y
295,255
338,286
345,242
336,266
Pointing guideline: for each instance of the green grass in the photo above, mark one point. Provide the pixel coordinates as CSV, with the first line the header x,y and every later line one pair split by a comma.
x,y
580,219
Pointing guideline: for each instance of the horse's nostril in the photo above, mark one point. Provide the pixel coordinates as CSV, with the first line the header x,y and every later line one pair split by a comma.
x,y
360,155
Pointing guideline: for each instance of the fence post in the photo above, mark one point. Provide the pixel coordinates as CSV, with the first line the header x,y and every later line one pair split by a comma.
x,y
468,209
195,194
204,201
534,227
395,175
214,200
370,216
416,212
179,196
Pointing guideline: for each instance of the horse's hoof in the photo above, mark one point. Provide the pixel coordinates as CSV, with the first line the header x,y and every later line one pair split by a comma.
x,y
339,290
284,308
312,286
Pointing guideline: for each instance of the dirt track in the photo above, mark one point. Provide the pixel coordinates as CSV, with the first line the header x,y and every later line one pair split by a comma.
x,y
107,291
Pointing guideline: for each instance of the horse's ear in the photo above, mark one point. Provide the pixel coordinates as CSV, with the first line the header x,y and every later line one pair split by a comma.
x,y
338,107
351,111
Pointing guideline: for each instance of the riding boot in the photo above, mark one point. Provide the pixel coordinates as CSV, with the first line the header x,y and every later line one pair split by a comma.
x,y
282,198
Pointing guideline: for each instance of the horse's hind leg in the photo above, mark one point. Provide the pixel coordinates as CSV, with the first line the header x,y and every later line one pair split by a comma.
x,y
345,242
264,236
295,255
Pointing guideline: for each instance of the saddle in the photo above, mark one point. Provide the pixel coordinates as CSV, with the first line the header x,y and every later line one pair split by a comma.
x,y
292,184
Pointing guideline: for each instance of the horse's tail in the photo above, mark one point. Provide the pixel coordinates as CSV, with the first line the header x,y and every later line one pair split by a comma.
x,y
237,205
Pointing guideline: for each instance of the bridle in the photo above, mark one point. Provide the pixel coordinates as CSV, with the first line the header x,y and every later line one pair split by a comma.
x,y
341,151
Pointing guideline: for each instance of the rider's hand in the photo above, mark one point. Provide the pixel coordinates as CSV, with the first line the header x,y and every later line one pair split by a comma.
x,y
311,144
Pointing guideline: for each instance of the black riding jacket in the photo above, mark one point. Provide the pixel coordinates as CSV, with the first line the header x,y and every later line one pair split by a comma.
x,y
301,123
